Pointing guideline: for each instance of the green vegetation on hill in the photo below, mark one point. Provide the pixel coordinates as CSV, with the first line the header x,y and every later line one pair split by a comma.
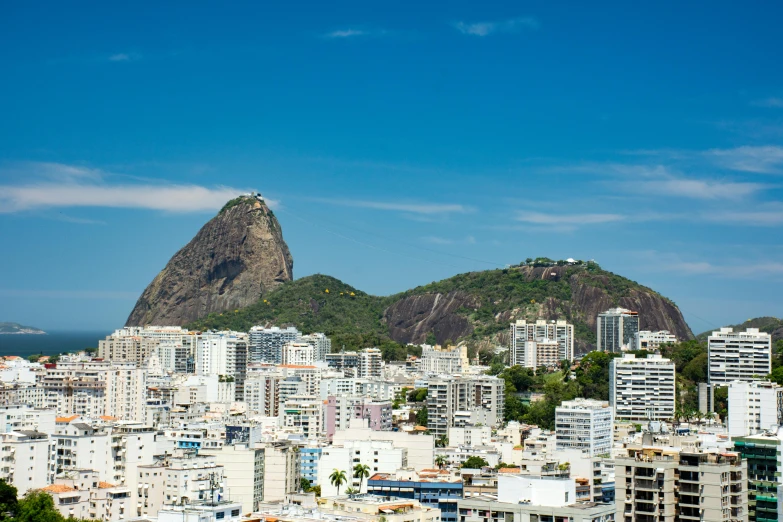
x,y
770,325
15,328
354,319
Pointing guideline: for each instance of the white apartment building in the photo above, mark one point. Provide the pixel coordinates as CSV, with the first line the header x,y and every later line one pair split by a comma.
x,y
190,479
738,356
642,389
370,363
448,360
560,332
584,424
651,341
372,388
616,330
218,353
298,354
243,468
262,394
80,446
266,344
458,401
754,407
136,344
281,471
174,355
535,354
420,447
381,457
470,436
94,389
321,345
26,460
22,417
304,414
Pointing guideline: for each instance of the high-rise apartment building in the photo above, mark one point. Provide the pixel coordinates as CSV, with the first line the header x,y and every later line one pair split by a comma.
x,y
584,424
481,397
668,485
136,343
299,354
754,407
243,468
764,456
94,388
370,363
523,332
321,345
435,359
642,389
616,330
266,344
224,353
738,356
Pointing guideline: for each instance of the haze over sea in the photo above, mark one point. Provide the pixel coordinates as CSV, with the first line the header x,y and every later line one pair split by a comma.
x,y
50,344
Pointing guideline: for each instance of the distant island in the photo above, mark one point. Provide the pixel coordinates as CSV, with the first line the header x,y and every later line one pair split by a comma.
x,y
19,329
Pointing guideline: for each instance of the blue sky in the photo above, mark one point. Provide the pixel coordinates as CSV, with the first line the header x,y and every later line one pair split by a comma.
x,y
401,143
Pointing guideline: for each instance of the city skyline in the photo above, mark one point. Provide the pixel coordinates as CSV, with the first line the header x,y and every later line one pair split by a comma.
x,y
397,146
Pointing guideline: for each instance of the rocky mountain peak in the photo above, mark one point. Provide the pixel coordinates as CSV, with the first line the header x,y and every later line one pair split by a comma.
x,y
236,257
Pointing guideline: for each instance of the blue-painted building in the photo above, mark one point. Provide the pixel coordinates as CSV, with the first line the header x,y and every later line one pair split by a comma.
x,y
433,493
310,457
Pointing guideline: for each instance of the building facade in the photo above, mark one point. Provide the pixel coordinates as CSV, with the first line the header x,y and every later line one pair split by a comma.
x,y
523,332
642,389
617,329
586,425
738,356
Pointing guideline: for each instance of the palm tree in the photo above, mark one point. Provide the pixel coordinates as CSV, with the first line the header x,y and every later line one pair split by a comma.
x,y
440,461
442,441
352,491
361,471
337,478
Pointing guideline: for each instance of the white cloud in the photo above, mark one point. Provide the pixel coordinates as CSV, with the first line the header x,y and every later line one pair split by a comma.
x,y
346,33
696,188
124,57
766,159
63,186
413,208
540,218
771,102
437,240
504,26
667,262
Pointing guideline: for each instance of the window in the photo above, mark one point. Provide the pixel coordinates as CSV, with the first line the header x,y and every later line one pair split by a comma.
x,y
234,512
220,514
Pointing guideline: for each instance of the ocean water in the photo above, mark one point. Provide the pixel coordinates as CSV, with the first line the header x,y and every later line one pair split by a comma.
x,y
49,344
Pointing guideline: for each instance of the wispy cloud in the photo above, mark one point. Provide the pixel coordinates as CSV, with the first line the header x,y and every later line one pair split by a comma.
x,y
437,240
62,186
503,26
653,260
422,208
346,33
540,218
771,102
768,215
124,57
767,159
696,188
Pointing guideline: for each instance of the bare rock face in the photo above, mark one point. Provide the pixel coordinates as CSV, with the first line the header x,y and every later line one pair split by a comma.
x,y
234,259
410,319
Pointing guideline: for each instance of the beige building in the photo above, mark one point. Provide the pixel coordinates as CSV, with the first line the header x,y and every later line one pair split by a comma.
x,y
281,471
372,508
654,484
243,468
